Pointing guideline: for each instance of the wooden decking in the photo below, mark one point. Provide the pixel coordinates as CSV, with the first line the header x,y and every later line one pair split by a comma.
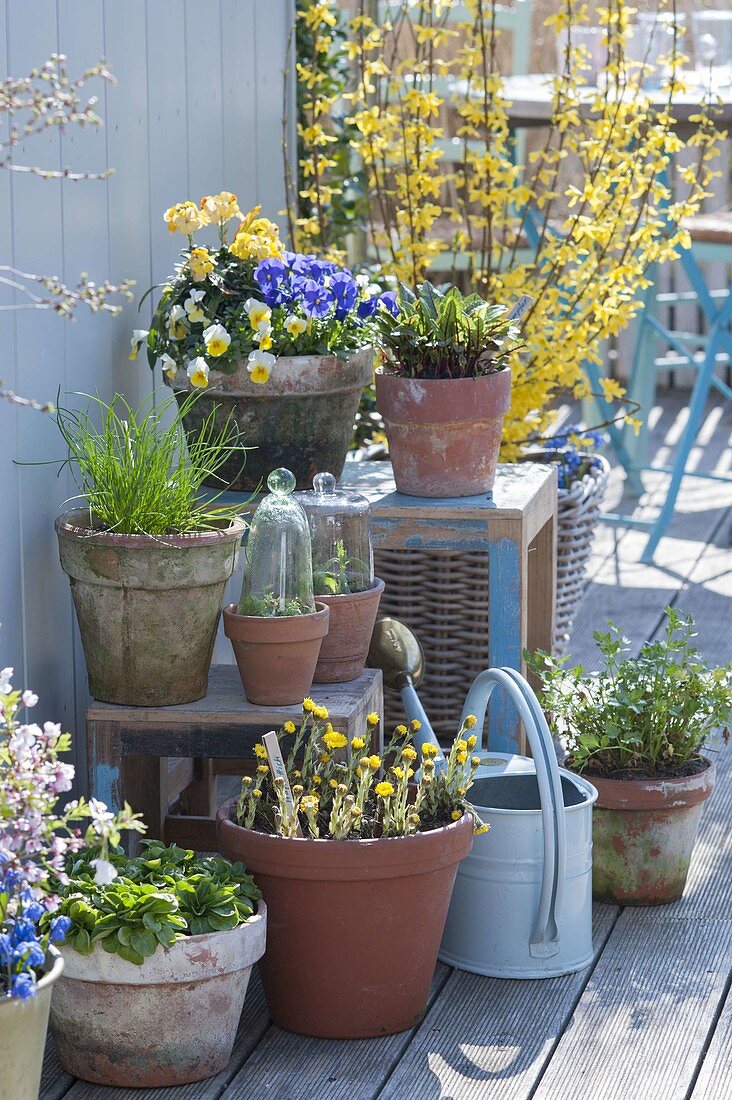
x,y
651,1019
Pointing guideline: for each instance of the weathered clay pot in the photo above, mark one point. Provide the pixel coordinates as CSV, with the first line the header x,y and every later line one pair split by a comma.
x,y
357,921
167,1022
352,617
444,434
23,1026
147,607
301,418
643,835
276,656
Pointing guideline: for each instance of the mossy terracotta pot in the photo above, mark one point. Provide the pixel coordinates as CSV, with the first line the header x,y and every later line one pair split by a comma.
x,y
643,836
276,655
147,607
444,434
170,1021
355,924
301,418
23,1027
345,646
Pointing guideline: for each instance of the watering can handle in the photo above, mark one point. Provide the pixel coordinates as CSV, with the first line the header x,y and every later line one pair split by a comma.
x,y
544,940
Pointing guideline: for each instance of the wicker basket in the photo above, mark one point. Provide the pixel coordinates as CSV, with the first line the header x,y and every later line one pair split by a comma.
x,y
443,596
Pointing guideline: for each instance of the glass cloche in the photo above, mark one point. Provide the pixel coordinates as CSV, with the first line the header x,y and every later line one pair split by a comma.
x,y
343,559
278,575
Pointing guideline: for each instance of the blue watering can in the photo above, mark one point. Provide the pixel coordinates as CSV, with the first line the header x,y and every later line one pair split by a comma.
x,y
522,903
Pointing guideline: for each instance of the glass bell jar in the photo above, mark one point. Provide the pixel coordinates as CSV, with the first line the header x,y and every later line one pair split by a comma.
x,y
343,560
278,575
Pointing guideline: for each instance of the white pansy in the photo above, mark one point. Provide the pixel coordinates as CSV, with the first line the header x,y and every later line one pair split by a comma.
x,y
139,336
216,339
170,367
257,312
192,306
259,365
197,372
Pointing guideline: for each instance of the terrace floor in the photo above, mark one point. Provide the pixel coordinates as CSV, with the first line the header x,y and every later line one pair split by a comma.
x,y
651,1018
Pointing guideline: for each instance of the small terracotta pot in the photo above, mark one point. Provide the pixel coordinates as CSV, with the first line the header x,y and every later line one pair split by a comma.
x,y
276,656
444,434
167,1022
643,836
345,646
357,921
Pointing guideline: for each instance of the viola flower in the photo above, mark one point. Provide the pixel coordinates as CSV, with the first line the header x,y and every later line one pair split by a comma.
x,y
177,326
264,335
317,299
216,339
294,326
200,264
345,293
138,338
389,301
170,367
269,276
192,306
260,365
257,312
197,372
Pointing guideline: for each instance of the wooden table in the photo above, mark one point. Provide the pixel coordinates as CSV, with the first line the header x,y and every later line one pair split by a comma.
x,y
148,756
508,537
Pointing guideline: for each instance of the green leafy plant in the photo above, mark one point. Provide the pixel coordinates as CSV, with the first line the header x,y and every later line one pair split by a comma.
x,y
138,472
156,898
644,715
267,604
340,574
438,334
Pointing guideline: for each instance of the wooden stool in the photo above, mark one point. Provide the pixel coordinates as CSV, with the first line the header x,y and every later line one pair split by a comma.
x,y
474,577
148,756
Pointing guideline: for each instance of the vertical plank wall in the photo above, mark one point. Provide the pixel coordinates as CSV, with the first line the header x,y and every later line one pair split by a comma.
x,y
196,108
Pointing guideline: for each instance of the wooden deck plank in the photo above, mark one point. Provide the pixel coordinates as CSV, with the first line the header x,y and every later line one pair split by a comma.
x,y
55,1082
642,1025
289,1067
486,1037
253,1025
715,1077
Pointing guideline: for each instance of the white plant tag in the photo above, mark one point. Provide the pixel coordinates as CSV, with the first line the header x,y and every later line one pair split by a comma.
x,y
277,767
520,308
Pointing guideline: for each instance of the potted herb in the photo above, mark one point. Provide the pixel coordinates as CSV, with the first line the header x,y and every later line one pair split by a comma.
x,y
277,629
147,558
354,852
35,837
280,340
157,964
444,389
582,477
636,729
343,577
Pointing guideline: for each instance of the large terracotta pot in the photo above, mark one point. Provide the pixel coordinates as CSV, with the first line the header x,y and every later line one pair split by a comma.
x,y
276,655
643,836
147,607
345,646
301,418
355,926
444,434
23,1026
167,1022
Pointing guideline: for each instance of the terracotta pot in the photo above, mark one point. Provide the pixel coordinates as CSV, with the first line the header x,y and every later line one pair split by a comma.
x,y
356,924
167,1022
276,656
643,835
148,608
444,434
345,646
302,418
23,1027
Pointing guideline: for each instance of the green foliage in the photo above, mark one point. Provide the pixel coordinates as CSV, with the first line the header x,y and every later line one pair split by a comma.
x,y
156,898
649,714
440,334
267,605
340,574
138,473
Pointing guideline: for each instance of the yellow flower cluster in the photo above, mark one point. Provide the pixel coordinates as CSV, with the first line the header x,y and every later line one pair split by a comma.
x,y
578,228
257,238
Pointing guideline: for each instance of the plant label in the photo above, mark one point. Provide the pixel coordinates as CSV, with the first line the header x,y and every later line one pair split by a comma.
x,y
277,767
520,308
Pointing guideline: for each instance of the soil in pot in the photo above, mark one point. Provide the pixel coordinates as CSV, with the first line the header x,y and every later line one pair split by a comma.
x,y
147,607
643,836
358,921
23,1027
345,646
302,418
168,1022
276,655
444,434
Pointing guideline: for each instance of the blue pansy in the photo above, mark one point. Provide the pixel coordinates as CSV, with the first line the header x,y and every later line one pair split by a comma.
x,y
389,301
316,299
345,293
269,276
367,308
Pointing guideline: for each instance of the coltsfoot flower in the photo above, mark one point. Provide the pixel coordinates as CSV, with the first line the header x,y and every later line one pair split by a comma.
x,y
384,789
335,740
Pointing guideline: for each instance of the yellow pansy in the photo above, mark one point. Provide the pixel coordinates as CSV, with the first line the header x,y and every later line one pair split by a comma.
x,y
295,326
184,217
257,312
197,372
264,335
216,339
259,365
